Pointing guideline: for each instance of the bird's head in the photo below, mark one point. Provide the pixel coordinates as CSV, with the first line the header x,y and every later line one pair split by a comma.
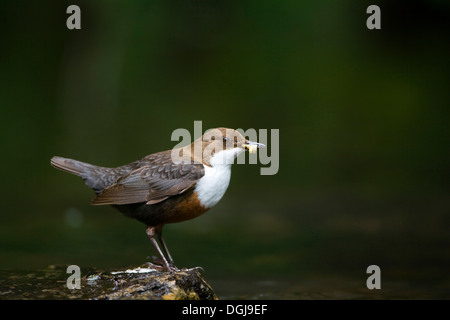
x,y
220,146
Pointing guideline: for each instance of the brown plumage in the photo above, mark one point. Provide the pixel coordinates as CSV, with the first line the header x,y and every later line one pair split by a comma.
x,y
161,187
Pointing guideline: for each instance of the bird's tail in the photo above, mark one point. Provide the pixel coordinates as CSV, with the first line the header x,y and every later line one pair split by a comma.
x,y
69,165
91,174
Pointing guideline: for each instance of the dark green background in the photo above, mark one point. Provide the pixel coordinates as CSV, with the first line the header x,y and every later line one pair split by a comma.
x,y
363,118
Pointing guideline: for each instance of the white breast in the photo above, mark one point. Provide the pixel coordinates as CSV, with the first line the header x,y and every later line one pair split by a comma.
x,y
212,186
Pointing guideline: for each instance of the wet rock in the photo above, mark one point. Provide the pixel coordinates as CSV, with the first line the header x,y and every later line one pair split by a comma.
x,y
143,282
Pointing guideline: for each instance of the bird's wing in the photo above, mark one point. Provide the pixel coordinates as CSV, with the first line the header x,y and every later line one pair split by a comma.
x,y
151,183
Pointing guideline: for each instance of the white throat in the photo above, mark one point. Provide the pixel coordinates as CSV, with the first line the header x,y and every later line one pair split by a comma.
x,y
212,186
225,157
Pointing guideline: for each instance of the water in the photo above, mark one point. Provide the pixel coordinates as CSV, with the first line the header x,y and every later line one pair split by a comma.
x,y
316,251
50,283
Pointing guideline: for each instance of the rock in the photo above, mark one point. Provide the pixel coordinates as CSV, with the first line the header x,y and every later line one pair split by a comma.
x,y
143,282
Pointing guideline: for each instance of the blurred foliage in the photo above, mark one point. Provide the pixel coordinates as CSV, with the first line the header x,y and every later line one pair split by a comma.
x,y
363,119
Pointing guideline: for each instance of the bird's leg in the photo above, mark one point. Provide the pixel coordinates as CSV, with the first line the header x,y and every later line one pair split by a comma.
x,y
151,235
158,231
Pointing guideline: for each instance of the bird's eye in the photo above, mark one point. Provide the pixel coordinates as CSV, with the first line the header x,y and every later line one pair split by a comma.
x,y
213,138
225,139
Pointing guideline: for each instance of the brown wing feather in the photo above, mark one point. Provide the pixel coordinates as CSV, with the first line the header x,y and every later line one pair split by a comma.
x,y
151,183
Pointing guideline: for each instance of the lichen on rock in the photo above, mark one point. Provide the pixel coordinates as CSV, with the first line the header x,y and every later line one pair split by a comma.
x,y
144,283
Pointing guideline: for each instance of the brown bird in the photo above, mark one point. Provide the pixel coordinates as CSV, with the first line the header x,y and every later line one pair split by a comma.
x,y
168,186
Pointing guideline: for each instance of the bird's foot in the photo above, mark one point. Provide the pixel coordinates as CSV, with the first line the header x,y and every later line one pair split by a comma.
x,y
161,266
157,267
193,269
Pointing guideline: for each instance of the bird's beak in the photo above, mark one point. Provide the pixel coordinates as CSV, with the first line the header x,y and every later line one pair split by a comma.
x,y
252,146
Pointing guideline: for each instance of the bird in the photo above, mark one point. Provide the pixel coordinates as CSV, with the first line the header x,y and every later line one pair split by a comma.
x,y
166,187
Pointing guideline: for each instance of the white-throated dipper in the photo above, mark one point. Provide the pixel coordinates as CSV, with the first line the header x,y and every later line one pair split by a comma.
x,y
168,186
